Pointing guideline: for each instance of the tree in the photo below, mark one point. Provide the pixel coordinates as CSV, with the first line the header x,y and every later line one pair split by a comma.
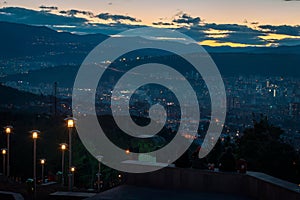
x,y
264,151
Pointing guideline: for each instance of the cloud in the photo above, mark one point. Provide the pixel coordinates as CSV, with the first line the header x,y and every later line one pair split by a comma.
x,y
68,22
225,33
73,21
179,13
289,42
283,29
26,16
74,12
162,23
249,38
231,27
195,32
48,7
103,16
236,33
187,19
117,18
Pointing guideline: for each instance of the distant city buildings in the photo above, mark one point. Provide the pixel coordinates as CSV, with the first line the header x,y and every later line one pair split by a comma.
x,y
276,97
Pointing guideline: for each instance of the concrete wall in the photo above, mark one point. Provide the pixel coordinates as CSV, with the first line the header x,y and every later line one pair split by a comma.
x,y
255,185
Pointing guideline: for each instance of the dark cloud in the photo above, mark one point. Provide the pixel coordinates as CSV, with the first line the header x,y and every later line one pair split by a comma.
x,y
179,13
289,42
70,23
26,16
117,18
48,7
244,38
283,29
196,34
193,27
162,23
187,19
228,33
231,27
74,12
238,34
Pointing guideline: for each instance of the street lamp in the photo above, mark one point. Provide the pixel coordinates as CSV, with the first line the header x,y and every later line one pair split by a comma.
x,y
127,151
4,152
70,124
72,170
35,135
43,161
8,131
63,147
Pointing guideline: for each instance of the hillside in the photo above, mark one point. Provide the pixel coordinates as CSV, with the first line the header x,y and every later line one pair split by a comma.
x,y
13,96
25,41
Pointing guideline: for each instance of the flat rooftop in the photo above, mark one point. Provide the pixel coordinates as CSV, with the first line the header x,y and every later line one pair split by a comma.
x,y
128,192
178,183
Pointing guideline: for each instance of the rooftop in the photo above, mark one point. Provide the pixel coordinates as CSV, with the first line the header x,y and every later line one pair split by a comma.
x,y
178,183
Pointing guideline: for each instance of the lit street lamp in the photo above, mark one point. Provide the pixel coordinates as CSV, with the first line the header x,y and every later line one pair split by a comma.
x,y
35,134
4,152
8,131
127,151
43,161
72,170
63,147
70,124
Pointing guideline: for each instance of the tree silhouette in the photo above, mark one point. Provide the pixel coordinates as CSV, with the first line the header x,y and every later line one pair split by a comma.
x,y
264,151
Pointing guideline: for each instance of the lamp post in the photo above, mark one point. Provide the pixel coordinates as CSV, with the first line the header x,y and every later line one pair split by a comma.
x,y
43,161
72,170
4,152
99,158
8,131
70,124
35,134
63,147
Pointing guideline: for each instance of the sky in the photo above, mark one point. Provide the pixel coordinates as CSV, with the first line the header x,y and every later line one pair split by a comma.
x,y
273,12
236,23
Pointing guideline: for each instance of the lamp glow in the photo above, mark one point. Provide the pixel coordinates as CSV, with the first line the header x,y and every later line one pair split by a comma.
x,y
70,123
63,147
34,135
72,169
3,151
43,161
8,130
